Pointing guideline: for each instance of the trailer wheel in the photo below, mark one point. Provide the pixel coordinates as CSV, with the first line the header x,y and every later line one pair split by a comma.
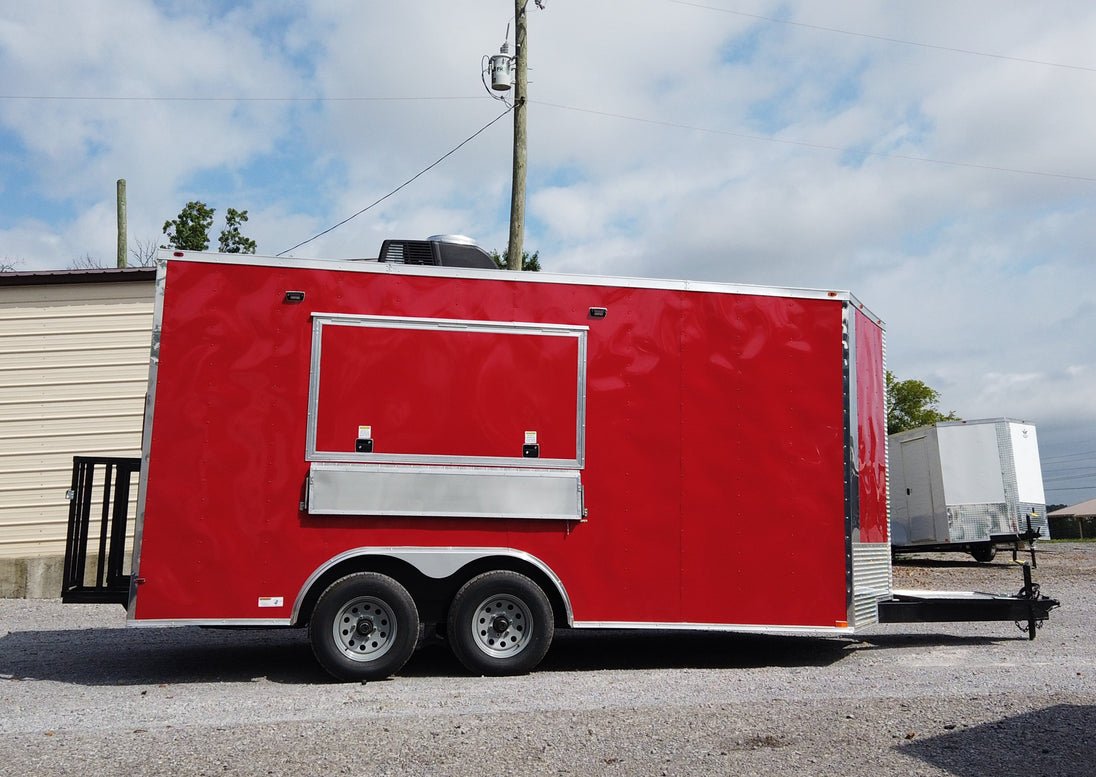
x,y
984,553
365,627
500,623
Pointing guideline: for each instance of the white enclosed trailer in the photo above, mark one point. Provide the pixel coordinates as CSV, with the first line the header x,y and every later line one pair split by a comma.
x,y
968,486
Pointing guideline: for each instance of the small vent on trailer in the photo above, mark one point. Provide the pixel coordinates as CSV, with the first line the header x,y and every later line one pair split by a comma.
x,y
408,252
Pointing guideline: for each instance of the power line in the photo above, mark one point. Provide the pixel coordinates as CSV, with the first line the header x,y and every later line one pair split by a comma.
x,y
659,122
1065,456
1068,462
429,167
1062,473
134,98
1077,476
822,146
838,31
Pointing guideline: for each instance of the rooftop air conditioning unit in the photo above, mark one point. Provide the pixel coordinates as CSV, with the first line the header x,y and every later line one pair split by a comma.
x,y
438,250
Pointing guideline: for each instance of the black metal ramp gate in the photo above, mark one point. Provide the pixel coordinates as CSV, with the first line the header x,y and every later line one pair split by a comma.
x,y
95,550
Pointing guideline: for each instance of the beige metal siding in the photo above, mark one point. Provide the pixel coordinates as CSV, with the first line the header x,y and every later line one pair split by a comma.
x,y
73,374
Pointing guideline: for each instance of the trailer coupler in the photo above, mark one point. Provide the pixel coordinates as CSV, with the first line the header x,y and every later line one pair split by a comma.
x,y
1028,608
1039,606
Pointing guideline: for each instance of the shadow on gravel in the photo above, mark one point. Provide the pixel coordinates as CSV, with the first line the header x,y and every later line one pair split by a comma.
x,y
188,654
152,656
959,562
107,657
896,641
1050,742
595,650
590,651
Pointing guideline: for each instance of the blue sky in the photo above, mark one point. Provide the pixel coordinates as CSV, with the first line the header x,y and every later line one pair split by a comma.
x,y
936,158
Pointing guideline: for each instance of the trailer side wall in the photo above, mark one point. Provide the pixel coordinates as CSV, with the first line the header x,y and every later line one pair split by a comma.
x,y
714,442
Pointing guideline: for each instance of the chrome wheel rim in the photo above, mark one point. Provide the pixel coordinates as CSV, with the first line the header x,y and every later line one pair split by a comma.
x,y
502,626
365,628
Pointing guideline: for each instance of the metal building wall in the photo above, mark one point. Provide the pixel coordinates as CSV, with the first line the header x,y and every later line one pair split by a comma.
x,y
74,351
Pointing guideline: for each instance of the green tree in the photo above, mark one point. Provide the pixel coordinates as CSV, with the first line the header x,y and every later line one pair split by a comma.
x,y
232,242
912,403
189,231
529,262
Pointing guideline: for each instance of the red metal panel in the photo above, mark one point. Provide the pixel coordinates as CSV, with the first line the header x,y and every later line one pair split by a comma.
x,y
423,391
714,465
625,562
762,461
223,525
872,434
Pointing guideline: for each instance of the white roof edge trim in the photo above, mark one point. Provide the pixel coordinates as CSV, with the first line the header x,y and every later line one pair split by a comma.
x,y
372,266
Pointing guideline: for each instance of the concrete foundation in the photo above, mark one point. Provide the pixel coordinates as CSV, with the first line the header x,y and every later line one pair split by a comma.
x,y
31,578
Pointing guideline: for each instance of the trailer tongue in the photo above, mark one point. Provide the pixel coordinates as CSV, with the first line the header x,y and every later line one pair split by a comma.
x,y
1028,608
332,445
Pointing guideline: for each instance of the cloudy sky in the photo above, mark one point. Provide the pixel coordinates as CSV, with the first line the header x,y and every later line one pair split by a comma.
x,y
937,158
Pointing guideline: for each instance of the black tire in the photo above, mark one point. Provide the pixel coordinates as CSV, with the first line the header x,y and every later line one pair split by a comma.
x,y
984,553
500,623
365,627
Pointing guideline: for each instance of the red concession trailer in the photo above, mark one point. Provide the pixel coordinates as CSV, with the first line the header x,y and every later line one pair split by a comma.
x,y
373,448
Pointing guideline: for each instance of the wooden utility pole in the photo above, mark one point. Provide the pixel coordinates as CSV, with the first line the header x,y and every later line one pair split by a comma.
x,y
517,192
121,222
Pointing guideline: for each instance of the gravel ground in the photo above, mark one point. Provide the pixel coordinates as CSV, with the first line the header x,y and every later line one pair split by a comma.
x,y
82,695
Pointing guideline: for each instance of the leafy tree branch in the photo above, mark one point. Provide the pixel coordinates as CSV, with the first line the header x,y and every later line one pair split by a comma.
x,y
912,403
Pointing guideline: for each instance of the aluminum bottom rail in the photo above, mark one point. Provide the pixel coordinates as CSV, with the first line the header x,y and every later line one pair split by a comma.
x,y
1027,607
95,549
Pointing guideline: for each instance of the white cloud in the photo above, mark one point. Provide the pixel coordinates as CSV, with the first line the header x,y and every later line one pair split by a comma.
x,y
665,139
